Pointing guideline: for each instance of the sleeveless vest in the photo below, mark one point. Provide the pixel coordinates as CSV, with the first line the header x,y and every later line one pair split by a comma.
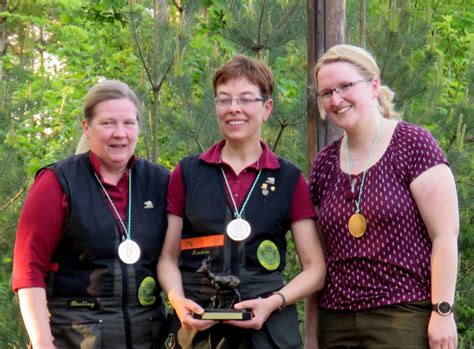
x,y
207,212
91,284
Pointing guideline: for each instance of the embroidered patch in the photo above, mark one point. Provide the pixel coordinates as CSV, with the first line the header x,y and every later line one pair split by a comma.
x,y
83,303
268,255
147,291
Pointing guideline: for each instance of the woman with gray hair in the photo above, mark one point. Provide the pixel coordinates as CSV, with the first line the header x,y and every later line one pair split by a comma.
x,y
89,237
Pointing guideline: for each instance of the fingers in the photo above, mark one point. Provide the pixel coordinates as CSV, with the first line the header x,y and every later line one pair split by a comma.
x,y
189,322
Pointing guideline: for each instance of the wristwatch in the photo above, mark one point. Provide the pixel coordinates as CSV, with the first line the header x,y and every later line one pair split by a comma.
x,y
442,308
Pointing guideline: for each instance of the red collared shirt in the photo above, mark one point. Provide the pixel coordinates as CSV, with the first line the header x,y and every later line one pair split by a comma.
x,y
301,206
42,218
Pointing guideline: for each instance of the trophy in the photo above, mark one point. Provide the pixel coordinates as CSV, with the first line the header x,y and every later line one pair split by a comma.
x,y
226,295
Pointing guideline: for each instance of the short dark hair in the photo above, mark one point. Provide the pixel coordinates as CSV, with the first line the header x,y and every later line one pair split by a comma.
x,y
254,70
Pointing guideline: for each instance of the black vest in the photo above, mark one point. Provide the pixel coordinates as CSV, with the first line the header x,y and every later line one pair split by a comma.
x,y
207,212
87,254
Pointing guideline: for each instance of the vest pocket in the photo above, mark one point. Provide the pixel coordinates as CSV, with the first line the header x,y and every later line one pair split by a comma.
x,y
84,335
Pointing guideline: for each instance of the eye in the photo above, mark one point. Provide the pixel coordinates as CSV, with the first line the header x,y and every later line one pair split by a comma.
x,y
325,94
224,101
246,100
344,86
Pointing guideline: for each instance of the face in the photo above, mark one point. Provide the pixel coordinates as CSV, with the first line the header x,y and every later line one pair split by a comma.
x,y
347,96
113,132
241,122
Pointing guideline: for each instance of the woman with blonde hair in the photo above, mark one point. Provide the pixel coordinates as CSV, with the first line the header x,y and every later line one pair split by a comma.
x,y
388,216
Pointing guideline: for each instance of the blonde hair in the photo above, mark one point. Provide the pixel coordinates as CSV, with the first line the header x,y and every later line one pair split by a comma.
x,y
366,65
108,90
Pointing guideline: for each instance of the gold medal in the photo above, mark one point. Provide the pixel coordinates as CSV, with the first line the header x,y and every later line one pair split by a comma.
x,y
357,225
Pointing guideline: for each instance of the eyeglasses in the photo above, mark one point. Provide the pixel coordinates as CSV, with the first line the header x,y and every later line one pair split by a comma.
x,y
225,102
341,89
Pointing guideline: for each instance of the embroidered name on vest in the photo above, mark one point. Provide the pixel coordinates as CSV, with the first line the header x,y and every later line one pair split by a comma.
x,y
83,303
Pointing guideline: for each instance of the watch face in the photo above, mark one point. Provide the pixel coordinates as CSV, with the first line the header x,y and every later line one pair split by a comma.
x,y
444,308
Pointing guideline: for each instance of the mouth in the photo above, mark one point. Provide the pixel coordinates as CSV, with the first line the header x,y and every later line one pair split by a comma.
x,y
236,122
342,110
118,146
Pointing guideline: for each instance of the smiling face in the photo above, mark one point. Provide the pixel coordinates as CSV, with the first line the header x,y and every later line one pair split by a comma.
x,y
237,122
354,98
113,132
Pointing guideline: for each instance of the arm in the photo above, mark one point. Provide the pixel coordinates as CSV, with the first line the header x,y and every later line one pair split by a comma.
x,y
435,195
170,279
308,281
38,234
36,317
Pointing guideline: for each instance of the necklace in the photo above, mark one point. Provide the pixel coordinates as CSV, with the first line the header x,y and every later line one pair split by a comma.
x,y
128,251
357,223
239,229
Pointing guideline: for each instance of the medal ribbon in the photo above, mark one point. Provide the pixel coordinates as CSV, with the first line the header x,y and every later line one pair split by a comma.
x,y
374,144
127,230
238,214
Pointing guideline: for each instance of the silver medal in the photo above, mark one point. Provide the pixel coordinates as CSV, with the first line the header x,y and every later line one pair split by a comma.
x,y
238,229
129,251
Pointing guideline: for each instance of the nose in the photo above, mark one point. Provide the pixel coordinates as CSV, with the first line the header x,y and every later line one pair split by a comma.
x,y
335,96
234,105
119,131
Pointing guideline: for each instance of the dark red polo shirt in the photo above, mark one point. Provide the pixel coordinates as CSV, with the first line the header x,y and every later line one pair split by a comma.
x,y
301,206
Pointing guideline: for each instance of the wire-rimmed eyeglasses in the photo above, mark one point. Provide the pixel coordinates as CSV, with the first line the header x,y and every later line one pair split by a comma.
x,y
340,89
226,102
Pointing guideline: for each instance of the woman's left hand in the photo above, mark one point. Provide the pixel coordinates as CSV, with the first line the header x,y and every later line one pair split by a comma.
x,y
261,308
442,333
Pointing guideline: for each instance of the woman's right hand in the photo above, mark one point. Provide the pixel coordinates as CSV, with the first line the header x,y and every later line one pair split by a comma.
x,y
185,308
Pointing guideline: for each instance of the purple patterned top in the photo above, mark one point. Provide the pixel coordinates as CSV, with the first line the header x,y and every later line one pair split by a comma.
x,y
390,264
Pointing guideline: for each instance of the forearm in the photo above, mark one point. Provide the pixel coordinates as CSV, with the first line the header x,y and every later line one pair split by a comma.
x,y
170,278
444,264
307,282
36,317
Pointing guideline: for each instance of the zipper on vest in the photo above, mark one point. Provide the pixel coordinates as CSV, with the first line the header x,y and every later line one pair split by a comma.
x,y
126,316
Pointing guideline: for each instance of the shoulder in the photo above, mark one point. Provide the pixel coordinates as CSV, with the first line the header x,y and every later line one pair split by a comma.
x,y
288,165
70,161
413,136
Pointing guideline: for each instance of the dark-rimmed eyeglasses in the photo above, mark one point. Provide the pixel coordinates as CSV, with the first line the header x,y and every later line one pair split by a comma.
x,y
340,89
226,102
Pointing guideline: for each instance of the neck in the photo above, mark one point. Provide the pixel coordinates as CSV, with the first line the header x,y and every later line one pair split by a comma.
x,y
240,156
112,176
361,137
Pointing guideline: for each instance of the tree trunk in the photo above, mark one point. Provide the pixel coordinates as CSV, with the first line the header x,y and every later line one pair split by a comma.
x,y
326,28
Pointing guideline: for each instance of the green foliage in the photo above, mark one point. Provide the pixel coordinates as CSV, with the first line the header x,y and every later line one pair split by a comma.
x,y
58,49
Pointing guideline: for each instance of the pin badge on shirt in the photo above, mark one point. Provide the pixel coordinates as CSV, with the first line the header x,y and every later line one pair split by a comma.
x,y
148,204
268,186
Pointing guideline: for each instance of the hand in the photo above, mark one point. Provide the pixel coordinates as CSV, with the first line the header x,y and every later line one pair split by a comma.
x,y
185,308
261,308
442,333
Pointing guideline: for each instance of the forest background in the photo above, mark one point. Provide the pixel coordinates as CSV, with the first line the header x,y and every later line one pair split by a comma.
x,y
52,51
